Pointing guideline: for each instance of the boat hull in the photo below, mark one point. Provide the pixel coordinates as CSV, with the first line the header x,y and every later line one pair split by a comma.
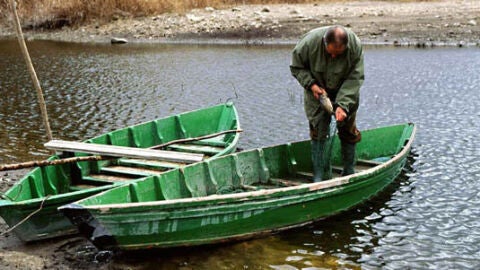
x,y
214,224
31,205
229,217
42,218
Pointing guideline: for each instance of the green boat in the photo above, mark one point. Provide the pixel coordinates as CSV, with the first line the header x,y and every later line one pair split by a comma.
x,y
238,196
50,187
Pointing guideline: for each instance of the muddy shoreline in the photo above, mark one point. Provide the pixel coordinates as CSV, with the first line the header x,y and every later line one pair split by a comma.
x,y
432,23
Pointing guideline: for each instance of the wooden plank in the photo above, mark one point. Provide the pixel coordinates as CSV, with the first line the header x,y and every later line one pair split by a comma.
x,y
129,171
283,182
336,172
248,187
144,163
109,178
305,174
122,151
82,187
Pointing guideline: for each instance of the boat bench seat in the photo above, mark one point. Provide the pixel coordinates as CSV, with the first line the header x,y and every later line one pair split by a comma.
x,y
123,170
122,151
108,178
81,187
154,164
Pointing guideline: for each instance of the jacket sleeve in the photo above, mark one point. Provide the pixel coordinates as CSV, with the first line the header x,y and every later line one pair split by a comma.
x,y
349,93
300,65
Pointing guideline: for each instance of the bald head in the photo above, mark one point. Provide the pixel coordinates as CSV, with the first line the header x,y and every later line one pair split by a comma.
x,y
336,35
336,40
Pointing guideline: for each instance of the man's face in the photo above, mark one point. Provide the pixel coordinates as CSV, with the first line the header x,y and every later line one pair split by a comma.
x,y
335,49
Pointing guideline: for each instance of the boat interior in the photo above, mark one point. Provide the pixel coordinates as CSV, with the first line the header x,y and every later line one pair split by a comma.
x,y
66,178
259,169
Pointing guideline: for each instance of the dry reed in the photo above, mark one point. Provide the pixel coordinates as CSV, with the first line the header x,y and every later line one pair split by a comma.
x,y
57,13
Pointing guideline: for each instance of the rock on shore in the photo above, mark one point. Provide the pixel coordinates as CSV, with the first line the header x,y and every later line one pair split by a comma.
x,y
440,22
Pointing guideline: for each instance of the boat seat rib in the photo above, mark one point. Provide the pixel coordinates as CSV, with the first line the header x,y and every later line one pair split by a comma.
x,y
366,162
194,148
122,151
216,141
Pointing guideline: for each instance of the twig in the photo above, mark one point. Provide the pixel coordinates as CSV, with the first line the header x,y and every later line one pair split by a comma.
x,y
27,217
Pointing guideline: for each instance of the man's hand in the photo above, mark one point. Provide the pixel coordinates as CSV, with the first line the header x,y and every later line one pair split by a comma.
x,y
340,114
317,91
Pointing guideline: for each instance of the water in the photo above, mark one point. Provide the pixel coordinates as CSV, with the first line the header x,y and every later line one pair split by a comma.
x,y
427,219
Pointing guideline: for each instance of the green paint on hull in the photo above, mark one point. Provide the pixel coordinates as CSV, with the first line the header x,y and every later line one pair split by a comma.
x,y
214,201
62,184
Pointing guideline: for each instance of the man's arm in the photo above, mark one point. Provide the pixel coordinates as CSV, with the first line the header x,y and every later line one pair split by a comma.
x,y
300,66
349,93
300,69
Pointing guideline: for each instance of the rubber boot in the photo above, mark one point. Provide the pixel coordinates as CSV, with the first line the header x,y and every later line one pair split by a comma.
x,y
317,160
322,169
348,156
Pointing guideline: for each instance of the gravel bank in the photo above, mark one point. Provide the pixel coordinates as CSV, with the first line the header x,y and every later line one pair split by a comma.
x,y
376,22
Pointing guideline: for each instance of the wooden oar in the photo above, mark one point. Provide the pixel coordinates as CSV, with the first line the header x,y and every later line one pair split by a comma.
x,y
43,163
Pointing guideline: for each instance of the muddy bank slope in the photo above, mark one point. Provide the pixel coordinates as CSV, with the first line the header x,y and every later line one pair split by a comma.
x,y
433,22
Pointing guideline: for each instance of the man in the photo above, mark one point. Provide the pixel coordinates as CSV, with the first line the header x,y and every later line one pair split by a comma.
x,y
329,61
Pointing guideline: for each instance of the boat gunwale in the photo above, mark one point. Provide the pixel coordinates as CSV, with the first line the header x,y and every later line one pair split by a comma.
x,y
308,187
59,197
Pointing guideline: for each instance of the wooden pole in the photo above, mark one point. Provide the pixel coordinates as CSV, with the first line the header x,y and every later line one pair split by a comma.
x,y
31,70
43,163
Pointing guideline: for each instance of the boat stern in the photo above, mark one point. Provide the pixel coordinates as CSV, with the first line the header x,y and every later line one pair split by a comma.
x,y
88,226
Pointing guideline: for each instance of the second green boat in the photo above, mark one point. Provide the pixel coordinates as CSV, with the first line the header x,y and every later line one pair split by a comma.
x,y
30,206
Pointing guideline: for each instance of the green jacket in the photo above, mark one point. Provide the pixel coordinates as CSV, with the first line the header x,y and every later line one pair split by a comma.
x,y
341,76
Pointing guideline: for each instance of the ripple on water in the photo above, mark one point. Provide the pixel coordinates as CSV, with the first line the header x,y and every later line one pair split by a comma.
x,y
427,219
